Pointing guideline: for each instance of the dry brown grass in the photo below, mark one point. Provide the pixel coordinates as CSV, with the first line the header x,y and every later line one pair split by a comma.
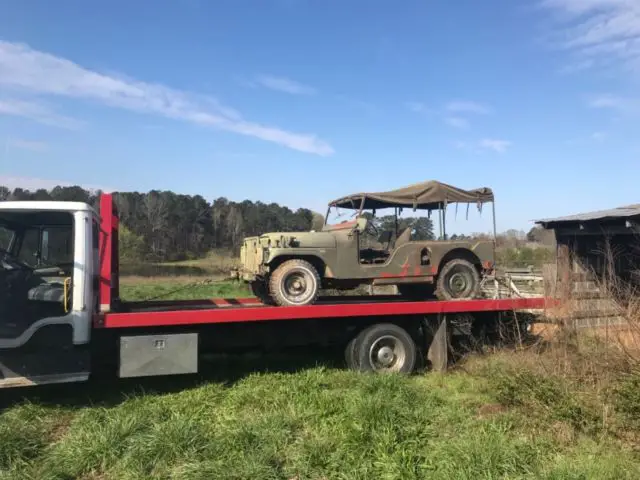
x,y
613,307
585,377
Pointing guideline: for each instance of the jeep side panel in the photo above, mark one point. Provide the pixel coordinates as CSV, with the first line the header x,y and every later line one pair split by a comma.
x,y
483,250
406,263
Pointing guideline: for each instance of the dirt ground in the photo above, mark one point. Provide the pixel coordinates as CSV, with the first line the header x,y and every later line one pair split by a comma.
x,y
626,336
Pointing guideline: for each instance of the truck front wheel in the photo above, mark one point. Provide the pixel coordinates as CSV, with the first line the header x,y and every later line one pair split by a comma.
x,y
294,283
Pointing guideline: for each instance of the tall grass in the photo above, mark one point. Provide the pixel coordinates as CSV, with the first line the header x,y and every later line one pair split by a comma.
x,y
584,379
317,423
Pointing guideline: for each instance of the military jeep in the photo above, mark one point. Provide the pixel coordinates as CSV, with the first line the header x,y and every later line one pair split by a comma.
x,y
290,268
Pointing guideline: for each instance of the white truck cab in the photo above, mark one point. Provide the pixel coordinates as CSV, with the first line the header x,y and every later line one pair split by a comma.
x,y
49,264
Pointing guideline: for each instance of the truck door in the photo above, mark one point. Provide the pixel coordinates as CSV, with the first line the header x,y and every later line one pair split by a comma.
x,y
45,288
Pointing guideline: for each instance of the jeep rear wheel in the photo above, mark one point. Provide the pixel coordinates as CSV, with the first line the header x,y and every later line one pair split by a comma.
x,y
458,279
294,283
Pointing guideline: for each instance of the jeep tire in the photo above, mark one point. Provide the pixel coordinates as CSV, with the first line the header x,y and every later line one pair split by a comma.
x,y
261,292
458,279
294,283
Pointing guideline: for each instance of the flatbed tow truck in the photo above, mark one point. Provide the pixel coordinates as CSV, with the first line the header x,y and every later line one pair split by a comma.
x,y
62,319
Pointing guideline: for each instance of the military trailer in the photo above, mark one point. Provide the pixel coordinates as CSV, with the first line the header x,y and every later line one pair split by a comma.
x,y
290,268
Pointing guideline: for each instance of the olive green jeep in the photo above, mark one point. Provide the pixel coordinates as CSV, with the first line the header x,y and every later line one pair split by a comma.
x,y
290,268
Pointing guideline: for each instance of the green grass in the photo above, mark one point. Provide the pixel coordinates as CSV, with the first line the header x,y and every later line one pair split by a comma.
x,y
316,423
171,288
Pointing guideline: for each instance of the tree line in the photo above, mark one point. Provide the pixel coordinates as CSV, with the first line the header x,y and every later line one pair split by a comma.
x,y
166,226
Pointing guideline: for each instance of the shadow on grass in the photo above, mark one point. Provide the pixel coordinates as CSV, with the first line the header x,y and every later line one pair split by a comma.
x,y
226,369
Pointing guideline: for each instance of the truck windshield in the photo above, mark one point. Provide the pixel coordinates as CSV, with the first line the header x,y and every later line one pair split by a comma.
x,y
47,246
6,234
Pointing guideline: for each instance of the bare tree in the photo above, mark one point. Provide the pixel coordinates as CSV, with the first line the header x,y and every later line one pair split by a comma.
x,y
156,212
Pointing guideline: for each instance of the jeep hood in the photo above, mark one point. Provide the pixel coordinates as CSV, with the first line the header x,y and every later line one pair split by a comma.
x,y
295,240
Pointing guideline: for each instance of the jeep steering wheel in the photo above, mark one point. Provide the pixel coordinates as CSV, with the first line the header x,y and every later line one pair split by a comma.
x,y
370,224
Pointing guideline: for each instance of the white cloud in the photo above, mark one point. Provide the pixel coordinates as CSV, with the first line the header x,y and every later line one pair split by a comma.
x,y
614,102
24,144
457,122
37,112
599,136
499,146
453,111
366,107
460,145
599,32
32,71
417,107
463,106
286,85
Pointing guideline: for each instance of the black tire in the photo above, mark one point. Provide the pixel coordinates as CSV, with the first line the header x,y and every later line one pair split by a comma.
x,y
385,347
468,334
306,280
351,354
416,291
261,292
458,279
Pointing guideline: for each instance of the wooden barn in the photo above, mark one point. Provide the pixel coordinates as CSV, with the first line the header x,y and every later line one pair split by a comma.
x,y
597,251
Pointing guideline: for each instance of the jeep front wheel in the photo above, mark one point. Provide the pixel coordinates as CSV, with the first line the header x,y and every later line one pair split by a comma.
x,y
458,279
294,283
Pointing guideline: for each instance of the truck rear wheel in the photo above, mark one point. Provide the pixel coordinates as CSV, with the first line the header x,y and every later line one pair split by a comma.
x,y
351,353
385,347
294,283
458,279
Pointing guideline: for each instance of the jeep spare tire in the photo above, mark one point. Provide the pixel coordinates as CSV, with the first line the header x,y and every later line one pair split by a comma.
x,y
294,283
458,279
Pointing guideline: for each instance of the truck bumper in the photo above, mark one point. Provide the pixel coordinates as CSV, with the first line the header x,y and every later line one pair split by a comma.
x,y
245,275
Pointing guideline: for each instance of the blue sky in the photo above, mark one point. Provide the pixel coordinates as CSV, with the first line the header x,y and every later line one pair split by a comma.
x,y
302,101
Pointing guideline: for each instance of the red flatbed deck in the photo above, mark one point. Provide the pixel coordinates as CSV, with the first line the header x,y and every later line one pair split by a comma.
x,y
199,312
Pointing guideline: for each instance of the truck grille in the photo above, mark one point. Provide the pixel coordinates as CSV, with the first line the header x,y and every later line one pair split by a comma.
x,y
251,255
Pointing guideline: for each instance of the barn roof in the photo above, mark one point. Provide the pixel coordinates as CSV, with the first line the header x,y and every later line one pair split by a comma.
x,y
626,212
